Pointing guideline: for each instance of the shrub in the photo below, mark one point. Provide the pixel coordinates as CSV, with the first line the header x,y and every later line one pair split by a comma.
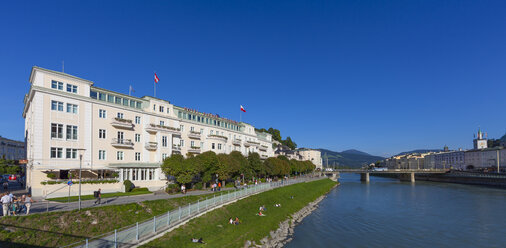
x,y
172,188
51,175
139,189
198,186
128,185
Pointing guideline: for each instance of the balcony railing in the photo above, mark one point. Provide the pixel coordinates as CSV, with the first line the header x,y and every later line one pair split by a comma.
x,y
251,143
151,146
176,148
153,128
122,123
194,135
123,143
194,149
263,148
215,136
237,142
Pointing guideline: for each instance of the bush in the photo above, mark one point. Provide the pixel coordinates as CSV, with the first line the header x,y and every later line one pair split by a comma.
x,y
128,185
172,188
198,186
51,175
139,189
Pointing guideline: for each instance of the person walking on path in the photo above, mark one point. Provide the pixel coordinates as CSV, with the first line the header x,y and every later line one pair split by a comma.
x,y
219,186
6,200
28,203
98,196
183,189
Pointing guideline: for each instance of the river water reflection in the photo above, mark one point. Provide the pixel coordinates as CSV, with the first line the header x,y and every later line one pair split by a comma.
x,y
389,213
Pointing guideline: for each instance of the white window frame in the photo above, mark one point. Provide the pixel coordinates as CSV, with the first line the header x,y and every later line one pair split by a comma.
x,y
58,106
72,108
137,156
102,113
58,152
102,155
137,120
120,155
137,137
102,134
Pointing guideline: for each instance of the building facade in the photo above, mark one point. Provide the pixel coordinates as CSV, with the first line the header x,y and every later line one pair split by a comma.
x,y
301,154
116,133
12,149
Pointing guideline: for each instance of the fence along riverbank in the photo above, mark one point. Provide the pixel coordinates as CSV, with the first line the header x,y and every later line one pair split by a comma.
x,y
134,234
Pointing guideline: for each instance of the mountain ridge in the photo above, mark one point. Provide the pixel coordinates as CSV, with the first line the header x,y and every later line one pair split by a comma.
x,y
353,158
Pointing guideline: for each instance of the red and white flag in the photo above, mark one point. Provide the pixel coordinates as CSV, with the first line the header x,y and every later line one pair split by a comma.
x,y
156,78
242,109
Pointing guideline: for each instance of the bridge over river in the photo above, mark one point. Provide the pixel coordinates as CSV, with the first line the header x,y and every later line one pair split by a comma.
x,y
402,174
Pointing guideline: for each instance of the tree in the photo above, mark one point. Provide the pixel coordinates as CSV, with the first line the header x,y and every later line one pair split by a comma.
x,y
276,134
207,164
226,167
244,167
183,170
288,142
256,164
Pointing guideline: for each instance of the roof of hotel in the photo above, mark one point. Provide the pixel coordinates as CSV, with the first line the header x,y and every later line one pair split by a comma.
x,y
136,165
59,73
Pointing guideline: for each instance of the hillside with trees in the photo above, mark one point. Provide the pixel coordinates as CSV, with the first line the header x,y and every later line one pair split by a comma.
x,y
348,159
276,135
205,168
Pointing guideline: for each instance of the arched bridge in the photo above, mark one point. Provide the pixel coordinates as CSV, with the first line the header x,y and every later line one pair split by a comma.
x,y
402,174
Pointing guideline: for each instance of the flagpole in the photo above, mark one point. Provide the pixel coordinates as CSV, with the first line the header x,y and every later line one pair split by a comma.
x,y
130,90
154,85
240,116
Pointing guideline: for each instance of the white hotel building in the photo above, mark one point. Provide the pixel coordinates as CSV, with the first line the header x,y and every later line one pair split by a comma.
x,y
119,133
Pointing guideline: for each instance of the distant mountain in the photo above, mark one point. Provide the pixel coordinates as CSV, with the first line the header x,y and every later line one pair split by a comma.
x,y
353,151
349,158
420,151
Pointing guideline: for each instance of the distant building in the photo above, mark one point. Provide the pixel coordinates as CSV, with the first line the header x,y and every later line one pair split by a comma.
x,y
480,142
301,154
12,149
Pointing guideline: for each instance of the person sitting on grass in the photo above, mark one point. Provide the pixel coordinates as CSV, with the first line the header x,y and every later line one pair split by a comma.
x,y
195,240
236,221
277,205
262,208
230,221
260,214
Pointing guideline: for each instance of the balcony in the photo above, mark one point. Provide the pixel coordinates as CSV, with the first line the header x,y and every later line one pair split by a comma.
x,y
194,135
176,148
218,137
194,149
251,143
237,142
152,146
153,128
122,123
264,156
122,143
263,148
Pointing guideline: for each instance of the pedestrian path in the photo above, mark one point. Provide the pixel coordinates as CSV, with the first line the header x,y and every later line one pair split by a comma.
x,y
49,206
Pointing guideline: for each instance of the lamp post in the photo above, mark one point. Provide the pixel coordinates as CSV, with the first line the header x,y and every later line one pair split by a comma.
x,y
81,152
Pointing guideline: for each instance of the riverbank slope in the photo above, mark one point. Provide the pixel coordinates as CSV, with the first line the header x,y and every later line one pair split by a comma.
x,y
215,230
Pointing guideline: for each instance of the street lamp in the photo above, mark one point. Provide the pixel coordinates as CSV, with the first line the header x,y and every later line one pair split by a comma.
x,y
81,152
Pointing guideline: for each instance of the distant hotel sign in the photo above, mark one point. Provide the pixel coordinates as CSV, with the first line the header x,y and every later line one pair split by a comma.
x,y
23,161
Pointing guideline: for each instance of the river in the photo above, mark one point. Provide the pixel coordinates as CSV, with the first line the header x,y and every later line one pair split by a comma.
x,y
389,213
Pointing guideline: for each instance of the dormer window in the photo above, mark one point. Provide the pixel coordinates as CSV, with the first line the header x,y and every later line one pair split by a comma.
x,y
56,85
72,88
161,109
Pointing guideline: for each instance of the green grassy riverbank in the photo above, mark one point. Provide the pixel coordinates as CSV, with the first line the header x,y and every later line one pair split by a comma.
x,y
55,229
215,230
104,195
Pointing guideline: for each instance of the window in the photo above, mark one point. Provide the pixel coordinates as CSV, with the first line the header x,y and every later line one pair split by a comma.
x,y
57,85
93,94
181,142
120,137
71,88
119,155
154,107
138,105
192,143
71,108
192,129
71,132
164,156
179,114
219,146
101,113
56,152
181,127
211,132
202,145
55,105
125,102
101,133
71,153
137,137
56,131
118,100
162,123
101,154
132,104
164,141
137,156
161,109
101,96
110,98
201,131
120,115
212,146
137,120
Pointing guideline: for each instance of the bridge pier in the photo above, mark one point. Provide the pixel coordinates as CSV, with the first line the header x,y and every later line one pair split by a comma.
x,y
407,177
364,177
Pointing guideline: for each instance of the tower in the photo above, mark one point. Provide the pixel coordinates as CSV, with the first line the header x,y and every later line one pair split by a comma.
x,y
480,142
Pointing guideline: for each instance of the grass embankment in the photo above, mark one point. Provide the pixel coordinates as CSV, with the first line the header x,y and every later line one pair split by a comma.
x,y
215,230
105,195
56,229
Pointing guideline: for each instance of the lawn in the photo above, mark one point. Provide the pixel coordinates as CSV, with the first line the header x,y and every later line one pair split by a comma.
x,y
55,229
105,195
213,227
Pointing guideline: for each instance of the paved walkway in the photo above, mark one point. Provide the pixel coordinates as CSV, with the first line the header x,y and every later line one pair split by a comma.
x,y
45,206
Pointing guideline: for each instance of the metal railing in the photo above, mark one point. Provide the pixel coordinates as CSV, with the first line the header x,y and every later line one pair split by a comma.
x,y
132,234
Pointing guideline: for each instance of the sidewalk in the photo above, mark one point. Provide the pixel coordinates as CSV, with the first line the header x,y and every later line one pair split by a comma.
x,y
44,206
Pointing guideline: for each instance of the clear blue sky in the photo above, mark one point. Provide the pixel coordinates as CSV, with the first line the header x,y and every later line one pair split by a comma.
x,y
378,76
